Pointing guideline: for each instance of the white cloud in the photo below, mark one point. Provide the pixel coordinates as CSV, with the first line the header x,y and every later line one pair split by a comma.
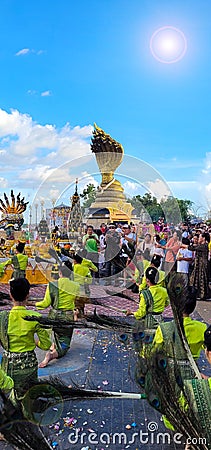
x,y
50,175
25,51
42,94
3,182
46,94
54,194
26,137
208,188
158,189
208,161
31,151
22,52
194,191
131,186
86,179
31,92
36,173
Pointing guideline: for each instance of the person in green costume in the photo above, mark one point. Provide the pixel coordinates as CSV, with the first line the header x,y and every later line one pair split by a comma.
x,y
17,337
61,295
194,329
82,269
153,300
19,262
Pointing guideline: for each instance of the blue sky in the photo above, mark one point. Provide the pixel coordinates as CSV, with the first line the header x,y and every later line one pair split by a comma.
x,y
67,64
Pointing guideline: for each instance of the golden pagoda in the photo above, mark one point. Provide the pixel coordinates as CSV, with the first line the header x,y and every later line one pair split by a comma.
x,y
110,203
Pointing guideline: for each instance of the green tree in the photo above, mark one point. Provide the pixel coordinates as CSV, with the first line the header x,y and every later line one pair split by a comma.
x,y
149,204
185,206
136,203
175,210
88,195
172,209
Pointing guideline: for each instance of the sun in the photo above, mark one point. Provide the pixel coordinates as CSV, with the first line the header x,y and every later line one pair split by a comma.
x,y
168,45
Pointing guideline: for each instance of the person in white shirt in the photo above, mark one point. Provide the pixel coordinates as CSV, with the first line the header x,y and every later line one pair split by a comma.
x,y
184,258
146,243
128,235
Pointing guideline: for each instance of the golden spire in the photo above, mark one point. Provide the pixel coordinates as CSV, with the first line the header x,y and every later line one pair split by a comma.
x,y
103,142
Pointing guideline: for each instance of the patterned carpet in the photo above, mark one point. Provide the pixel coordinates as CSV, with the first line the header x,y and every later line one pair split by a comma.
x,y
101,294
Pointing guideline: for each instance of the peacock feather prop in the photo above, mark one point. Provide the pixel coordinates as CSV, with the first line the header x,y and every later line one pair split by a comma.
x,y
22,420
168,373
93,321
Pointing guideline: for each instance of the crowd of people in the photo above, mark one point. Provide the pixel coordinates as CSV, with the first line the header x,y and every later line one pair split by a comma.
x,y
139,257
121,252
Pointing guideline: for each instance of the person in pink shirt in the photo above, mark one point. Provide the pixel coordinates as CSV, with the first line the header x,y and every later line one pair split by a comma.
x,y
171,249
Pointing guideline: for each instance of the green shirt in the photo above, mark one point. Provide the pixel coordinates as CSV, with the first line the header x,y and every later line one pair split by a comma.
x,y
161,280
82,272
6,383
160,301
22,260
90,242
194,332
68,291
21,332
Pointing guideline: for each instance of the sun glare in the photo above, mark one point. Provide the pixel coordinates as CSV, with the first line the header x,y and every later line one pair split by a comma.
x,y
168,45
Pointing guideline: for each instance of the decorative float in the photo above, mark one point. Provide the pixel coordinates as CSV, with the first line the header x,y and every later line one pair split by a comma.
x,y
11,233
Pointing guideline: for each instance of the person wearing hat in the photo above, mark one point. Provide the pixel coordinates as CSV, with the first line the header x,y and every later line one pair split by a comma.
x,y
61,295
19,262
128,235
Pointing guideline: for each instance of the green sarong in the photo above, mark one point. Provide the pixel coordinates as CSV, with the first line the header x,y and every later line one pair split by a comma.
x,y
62,336
17,273
22,368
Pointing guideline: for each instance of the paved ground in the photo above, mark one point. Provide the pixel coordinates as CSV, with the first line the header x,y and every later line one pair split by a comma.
x,y
97,359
